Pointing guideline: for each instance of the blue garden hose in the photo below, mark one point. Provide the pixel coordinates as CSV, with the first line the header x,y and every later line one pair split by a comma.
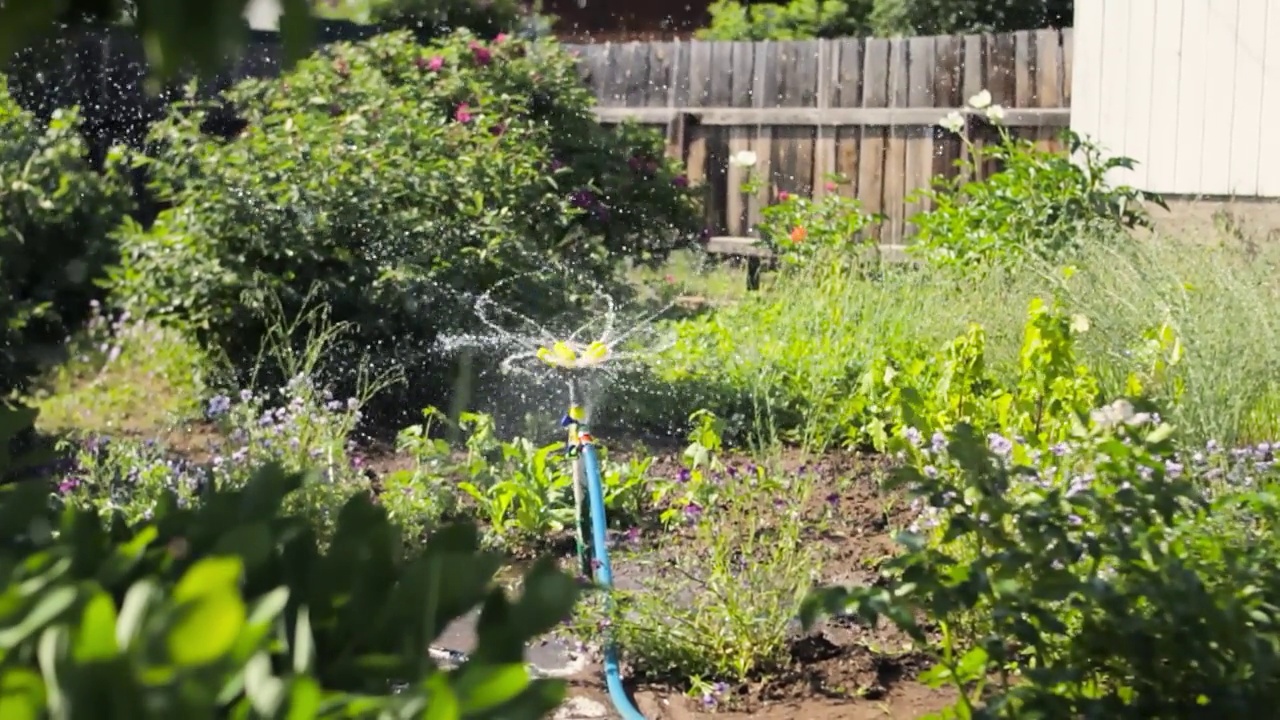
x,y
604,575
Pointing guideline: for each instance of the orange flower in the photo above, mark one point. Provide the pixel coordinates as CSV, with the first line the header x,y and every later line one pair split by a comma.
x,y
798,234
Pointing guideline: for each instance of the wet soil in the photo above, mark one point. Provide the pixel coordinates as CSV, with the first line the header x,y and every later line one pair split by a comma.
x,y
841,670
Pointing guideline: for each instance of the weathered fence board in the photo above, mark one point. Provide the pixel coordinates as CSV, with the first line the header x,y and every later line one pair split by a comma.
x,y
865,111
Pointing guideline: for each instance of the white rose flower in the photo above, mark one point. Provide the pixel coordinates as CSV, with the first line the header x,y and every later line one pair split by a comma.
x,y
954,122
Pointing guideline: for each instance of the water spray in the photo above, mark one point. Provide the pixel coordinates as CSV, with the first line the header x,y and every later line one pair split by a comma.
x,y
571,358
568,355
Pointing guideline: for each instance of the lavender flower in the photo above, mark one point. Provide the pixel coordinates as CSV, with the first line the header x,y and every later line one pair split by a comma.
x,y
218,406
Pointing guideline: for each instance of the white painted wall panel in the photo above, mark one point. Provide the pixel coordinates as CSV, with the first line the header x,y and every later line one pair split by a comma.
x,y
1184,87
1114,80
1219,94
1192,81
1269,130
1162,123
1246,119
1086,67
1138,90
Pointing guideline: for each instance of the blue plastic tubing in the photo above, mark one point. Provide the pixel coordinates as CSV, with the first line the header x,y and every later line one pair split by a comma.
x,y
604,575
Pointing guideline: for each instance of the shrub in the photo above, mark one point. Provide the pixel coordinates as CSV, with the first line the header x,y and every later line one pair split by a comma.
x,y
56,216
946,17
230,608
800,231
1039,204
1102,580
806,19
393,182
433,18
796,20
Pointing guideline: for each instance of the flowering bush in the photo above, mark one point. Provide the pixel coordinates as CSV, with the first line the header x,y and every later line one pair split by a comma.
x,y
1039,204
798,229
1100,580
56,216
302,429
391,180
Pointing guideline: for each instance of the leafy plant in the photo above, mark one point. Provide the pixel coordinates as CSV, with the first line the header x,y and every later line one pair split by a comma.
x,y
523,491
1104,581
230,606
56,216
801,230
1038,204
340,190
795,20
720,607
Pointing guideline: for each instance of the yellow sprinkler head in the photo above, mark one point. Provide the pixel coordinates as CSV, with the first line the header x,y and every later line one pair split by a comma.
x,y
565,356
596,353
559,355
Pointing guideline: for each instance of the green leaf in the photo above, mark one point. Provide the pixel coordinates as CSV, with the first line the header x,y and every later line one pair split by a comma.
x,y
484,687
22,694
548,597
296,28
46,611
206,628
304,648
133,611
95,639
209,575
265,690
442,703
304,699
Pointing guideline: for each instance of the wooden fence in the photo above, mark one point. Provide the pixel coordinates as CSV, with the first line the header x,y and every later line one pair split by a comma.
x,y
865,109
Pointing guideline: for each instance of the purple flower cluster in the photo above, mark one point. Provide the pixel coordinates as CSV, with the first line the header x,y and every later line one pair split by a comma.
x,y
310,427
1069,464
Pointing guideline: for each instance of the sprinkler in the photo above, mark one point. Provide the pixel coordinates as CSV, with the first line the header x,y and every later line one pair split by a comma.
x,y
593,549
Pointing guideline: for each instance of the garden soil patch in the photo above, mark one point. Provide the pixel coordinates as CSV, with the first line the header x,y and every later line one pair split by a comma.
x,y
842,669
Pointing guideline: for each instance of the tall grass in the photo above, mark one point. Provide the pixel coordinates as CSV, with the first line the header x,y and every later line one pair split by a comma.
x,y
1223,302
788,359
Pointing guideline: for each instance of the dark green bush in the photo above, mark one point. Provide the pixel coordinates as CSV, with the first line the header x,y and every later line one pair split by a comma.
x,y
1040,205
56,217
390,181
805,19
232,609
434,18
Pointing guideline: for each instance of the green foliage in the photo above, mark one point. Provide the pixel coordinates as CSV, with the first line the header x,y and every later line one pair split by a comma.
x,y
231,607
433,18
948,17
177,35
523,491
1099,580
388,181
123,373
1037,402
1040,204
800,230
56,215
737,582
796,20
808,19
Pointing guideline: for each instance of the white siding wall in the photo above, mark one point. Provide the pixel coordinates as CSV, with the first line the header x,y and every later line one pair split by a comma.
x,y
1184,87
